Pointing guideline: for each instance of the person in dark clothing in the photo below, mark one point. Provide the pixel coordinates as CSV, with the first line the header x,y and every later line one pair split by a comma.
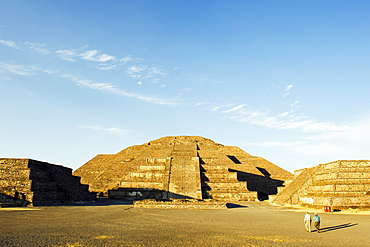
x,y
317,221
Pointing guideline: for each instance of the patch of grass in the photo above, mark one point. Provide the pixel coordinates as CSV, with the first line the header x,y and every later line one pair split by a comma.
x,y
69,245
275,239
103,237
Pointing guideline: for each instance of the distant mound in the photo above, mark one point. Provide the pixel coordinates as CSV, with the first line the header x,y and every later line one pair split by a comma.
x,y
182,167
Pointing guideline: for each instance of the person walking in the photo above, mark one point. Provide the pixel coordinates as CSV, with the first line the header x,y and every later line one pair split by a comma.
x,y
317,221
307,222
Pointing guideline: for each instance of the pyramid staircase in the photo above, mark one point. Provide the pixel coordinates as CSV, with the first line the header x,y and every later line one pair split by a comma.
x,y
220,184
289,195
185,172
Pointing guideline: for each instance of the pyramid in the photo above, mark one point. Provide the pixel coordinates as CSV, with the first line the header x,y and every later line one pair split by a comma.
x,y
182,167
340,184
31,182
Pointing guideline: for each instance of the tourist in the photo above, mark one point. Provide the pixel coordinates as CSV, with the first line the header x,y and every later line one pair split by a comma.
x,y
307,222
317,222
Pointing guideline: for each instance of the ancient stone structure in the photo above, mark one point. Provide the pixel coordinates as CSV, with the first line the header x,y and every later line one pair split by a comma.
x,y
180,204
182,167
31,182
340,184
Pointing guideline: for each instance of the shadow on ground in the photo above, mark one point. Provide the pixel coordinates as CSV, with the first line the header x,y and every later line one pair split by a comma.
x,y
98,202
233,205
333,228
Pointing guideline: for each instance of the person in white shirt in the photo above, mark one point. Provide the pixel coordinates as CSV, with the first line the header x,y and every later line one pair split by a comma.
x,y
307,222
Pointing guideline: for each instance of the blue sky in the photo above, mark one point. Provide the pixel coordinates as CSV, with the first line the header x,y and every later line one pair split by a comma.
x,y
284,80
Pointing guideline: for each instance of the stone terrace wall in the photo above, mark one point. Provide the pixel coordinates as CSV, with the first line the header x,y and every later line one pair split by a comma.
x,y
15,186
180,204
39,183
339,184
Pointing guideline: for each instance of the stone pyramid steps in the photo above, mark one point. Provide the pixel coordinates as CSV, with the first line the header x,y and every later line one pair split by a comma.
x,y
221,184
149,173
285,194
229,176
15,185
227,186
39,183
340,184
178,167
48,197
184,179
233,196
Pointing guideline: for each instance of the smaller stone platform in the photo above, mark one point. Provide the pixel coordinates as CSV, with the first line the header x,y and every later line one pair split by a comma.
x,y
341,184
27,182
180,204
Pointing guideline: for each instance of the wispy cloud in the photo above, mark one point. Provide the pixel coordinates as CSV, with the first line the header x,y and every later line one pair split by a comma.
x,y
209,80
350,143
136,71
215,108
67,54
283,121
102,61
235,108
295,104
130,59
287,90
24,70
92,55
93,58
105,130
9,43
103,66
155,71
18,69
107,87
276,144
143,72
186,90
327,141
38,47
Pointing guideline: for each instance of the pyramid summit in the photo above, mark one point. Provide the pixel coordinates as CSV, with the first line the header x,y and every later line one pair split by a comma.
x,y
182,167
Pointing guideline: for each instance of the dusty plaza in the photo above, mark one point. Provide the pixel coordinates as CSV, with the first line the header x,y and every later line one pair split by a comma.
x,y
119,223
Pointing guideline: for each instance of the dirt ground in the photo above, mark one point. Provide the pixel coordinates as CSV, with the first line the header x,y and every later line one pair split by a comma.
x,y
118,223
